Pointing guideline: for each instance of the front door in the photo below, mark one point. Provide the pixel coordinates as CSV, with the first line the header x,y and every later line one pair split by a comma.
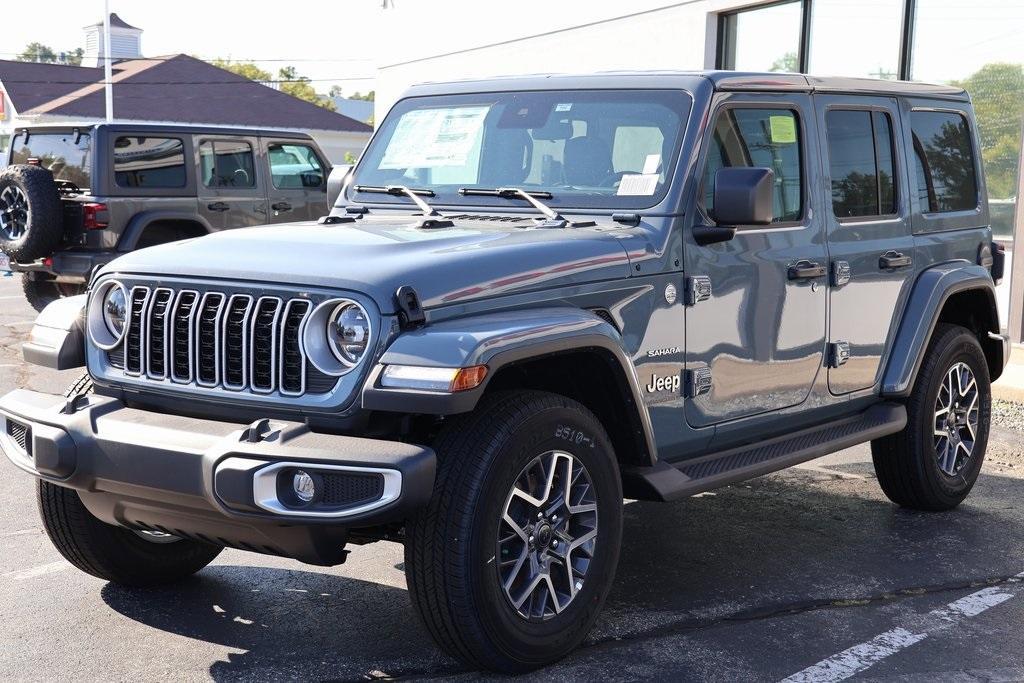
x,y
231,192
298,182
762,331
869,236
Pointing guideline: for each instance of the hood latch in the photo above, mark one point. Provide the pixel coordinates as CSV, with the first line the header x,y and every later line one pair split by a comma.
x,y
410,312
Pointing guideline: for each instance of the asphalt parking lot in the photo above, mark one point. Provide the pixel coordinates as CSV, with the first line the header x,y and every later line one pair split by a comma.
x,y
808,573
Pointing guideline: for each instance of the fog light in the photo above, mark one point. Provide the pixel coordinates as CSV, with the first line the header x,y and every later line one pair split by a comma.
x,y
303,486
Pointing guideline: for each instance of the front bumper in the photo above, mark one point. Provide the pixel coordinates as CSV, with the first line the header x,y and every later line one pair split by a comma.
x,y
214,481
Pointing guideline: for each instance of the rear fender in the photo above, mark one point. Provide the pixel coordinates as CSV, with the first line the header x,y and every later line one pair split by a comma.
x,y
933,289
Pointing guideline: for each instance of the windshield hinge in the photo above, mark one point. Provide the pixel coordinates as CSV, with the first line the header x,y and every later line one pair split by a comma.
x,y
334,220
410,312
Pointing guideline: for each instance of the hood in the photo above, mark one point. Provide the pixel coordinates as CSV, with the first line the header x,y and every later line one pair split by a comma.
x,y
377,255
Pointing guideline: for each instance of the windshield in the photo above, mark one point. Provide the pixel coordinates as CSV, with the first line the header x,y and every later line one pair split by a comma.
x,y
588,149
67,158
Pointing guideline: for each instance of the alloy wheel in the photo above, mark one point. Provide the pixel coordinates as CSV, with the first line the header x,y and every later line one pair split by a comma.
x,y
956,419
547,535
14,213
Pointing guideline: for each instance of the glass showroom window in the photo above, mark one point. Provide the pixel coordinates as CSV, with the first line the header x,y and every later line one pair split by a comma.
x,y
765,38
976,44
855,38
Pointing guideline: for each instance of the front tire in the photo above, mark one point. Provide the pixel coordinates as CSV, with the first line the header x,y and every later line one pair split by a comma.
x,y
112,553
511,561
935,461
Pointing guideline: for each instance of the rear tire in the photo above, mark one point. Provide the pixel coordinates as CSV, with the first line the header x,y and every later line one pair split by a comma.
x,y
466,567
934,462
31,215
113,553
41,291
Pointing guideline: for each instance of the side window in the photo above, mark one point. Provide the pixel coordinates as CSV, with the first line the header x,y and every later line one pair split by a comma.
x,y
944,161
149,162
860,156
760,138
294,167
226,163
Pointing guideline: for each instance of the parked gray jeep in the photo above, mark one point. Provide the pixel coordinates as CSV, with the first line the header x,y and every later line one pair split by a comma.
x,y
533,298
73,198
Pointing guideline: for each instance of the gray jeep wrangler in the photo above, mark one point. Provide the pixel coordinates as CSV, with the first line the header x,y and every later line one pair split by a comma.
x,y
73,198
533,298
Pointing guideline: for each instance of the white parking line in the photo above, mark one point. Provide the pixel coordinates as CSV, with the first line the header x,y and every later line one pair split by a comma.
x,y
41,570
861,657
12,296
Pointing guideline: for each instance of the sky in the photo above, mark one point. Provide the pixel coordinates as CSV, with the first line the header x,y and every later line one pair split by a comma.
x,y
331,42
344,41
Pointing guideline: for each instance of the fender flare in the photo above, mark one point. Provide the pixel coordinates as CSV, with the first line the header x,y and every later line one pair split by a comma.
x,y
140,221
498,340
932,289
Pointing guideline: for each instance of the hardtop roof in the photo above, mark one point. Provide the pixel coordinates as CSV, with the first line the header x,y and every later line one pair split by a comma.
x,y
180,129
719,80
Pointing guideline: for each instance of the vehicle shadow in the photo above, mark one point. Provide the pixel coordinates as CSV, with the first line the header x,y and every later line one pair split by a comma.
x,y
779,544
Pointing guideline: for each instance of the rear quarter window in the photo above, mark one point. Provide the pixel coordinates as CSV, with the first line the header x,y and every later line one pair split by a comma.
x,y
944,162
149,162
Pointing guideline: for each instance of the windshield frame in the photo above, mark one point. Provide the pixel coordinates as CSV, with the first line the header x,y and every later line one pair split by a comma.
x,y
678,100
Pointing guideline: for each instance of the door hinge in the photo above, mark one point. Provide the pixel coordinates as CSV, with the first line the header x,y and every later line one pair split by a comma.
x,y
697,381
698,288
841,273
838,353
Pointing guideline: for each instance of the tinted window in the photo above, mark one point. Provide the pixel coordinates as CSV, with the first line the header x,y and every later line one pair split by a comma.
x,y
761,138
944,160
67,155
294,167
149,162
860,163
226,163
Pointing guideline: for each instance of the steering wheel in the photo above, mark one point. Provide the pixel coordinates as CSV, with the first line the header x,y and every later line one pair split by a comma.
x,y
613,179
240,178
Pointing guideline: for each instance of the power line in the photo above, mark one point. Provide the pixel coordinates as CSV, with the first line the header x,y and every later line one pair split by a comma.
x,y
210,60
246,81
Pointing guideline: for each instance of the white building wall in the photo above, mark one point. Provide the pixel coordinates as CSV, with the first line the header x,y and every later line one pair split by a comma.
x,y
680,36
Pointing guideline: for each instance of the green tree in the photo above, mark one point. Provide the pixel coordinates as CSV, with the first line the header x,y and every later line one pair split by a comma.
x,y
997,91
787,62
288,78
368,97
300,87
37,52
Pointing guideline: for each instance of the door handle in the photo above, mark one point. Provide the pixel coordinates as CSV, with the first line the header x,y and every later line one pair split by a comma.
x,y
806,270
217,206
894,259
281,206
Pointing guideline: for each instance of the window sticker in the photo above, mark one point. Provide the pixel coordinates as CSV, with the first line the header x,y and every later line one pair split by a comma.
x,y
563,106
434,138
638,184
782,129
651,163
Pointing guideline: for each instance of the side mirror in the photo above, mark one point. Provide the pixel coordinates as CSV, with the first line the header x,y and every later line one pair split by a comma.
x,y
743,196
336,182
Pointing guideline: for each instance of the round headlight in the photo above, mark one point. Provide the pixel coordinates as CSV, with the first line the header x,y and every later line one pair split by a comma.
x,y
115,310
348,332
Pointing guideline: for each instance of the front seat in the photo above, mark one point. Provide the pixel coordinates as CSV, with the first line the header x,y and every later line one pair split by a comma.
x,y
588,161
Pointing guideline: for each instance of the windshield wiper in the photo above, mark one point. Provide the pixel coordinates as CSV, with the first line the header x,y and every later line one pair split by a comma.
x,y
552,216
412,193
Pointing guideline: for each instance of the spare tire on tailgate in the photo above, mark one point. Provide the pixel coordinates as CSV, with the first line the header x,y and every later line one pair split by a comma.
x,y
31,216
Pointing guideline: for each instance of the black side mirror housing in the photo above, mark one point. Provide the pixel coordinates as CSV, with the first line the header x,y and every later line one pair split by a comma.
x,y
743,196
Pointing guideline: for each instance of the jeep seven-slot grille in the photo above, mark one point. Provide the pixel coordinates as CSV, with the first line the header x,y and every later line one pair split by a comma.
x,y
215,339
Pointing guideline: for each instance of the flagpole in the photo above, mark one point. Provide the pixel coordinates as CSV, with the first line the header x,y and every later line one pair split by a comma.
x,y
108,71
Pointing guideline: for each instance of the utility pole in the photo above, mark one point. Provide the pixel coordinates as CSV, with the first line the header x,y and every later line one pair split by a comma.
x,y
108,70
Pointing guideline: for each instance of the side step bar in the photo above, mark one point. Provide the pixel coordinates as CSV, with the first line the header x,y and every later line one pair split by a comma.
x,y
672,481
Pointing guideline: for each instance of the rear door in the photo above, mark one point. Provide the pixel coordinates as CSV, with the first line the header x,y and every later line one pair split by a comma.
x,y
297,190
761,332
231,189
869,237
